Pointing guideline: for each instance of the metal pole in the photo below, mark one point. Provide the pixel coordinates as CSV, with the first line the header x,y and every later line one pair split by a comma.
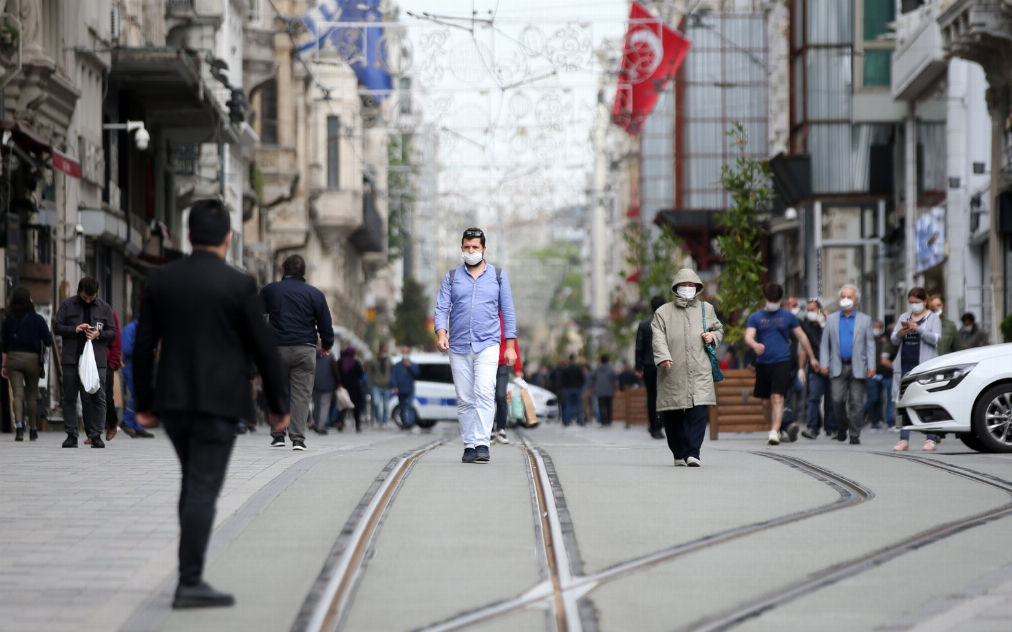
x,y
880,233
817,239
910,210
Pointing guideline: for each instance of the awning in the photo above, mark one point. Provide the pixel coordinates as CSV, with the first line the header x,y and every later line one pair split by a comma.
x,y
166,83
26,138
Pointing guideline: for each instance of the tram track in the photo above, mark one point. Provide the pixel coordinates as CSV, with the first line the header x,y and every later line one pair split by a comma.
x,y
326,606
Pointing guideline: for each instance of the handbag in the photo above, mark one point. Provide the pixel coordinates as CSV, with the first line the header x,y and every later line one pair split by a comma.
x,y
718,375
344,399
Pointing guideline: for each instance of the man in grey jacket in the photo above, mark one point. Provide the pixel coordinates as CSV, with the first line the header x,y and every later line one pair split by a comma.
x,y
603,382
81,318
848,358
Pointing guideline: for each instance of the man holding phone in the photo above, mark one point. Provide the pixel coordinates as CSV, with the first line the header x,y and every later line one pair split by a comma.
x,y
81,318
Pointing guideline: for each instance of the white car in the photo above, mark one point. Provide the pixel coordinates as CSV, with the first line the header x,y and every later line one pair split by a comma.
x,y
967,393
436,397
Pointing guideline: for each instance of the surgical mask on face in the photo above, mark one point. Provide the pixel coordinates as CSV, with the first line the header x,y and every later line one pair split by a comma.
x,y
812,316
846,304
796,311
472,258
877,331
688,293
938,312
968,328
772,307
916,308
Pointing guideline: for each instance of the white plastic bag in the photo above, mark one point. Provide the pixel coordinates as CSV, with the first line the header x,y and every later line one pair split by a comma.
x,y
88,370
344,399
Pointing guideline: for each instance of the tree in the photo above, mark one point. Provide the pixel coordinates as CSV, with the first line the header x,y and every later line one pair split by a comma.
x,y
401,190
411,316
748,182
651,255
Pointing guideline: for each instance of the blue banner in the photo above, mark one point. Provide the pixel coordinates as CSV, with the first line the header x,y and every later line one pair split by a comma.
x,y
364,48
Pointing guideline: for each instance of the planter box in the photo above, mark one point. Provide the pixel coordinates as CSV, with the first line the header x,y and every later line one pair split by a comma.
x,y
737,410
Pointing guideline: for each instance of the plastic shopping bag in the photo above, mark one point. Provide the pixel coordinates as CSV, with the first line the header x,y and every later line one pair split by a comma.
x,y
344,399
517,406
88,370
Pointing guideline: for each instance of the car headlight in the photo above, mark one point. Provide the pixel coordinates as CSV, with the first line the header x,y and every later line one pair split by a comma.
x,y
945,375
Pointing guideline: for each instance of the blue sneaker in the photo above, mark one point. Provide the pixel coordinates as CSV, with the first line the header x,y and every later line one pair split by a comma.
x,y
483,455
470,455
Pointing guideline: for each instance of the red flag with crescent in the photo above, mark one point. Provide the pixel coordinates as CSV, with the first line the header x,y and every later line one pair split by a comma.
x,y
652,55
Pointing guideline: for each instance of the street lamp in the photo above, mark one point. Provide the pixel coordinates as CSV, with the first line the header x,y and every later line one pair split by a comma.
x,y
141,137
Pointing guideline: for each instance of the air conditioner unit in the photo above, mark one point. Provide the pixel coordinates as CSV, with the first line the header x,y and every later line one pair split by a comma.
x,y
114,23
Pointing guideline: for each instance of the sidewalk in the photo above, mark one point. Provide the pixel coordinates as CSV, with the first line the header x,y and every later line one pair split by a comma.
x,y
90,535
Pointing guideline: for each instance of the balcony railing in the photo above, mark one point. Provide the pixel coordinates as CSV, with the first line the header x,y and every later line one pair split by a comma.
x,y
187,159
174,7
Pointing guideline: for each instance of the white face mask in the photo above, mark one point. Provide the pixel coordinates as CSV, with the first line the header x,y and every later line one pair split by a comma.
x,y
688,293
772,307
796,311
877,331
472,258
812,316
938,312
846,304
916,308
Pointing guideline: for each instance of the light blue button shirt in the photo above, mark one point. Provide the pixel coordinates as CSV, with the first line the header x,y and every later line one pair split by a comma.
x,y
472,308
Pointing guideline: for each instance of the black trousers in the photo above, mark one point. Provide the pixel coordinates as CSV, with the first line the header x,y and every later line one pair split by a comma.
x,y
92,406
203,444
650,381
604,404
686,430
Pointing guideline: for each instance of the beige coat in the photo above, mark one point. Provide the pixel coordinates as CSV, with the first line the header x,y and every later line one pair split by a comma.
x,y
677,336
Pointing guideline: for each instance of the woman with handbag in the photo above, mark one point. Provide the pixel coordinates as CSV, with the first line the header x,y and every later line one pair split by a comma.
x,y
685,333
23,336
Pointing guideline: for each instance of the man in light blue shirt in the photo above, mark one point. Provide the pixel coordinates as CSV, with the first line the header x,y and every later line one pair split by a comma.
x,y
468,307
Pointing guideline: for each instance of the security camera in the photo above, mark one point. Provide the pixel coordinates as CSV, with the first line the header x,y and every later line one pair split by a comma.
x,y
791,214
142,138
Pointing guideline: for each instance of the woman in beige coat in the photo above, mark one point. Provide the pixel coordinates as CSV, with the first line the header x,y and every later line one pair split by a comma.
x,y
684,377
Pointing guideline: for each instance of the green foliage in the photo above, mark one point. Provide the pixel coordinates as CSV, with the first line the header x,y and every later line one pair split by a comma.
x,y
402,194
411,315
256,180
1006,328
653,255
748,182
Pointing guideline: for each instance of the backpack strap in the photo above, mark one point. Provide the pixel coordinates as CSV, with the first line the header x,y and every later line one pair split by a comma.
x,y
498,275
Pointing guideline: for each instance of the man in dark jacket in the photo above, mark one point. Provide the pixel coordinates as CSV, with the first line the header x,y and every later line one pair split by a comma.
x,y
818,384
298,314
82,318
402,379
646,369
573,381
209,321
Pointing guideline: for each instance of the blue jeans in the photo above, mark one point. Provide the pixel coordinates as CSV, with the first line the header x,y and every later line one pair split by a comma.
x,y
380,404
818,388
407,409
572,405
878,391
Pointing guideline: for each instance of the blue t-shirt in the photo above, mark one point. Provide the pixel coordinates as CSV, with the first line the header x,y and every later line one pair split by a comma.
x,y
773,329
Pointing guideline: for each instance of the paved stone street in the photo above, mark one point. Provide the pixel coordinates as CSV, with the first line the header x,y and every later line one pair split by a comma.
x,y
582,528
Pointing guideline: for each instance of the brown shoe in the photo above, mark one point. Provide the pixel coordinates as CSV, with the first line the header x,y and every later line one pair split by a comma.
x,y
111,432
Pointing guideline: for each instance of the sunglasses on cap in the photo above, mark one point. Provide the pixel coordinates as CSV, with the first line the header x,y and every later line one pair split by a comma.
x,y
471,233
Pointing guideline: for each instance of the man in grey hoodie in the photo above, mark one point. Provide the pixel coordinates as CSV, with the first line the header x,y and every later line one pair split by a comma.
x,y
604,381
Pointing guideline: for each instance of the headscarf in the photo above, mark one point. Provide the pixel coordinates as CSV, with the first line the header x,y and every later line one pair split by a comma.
x,y
348,359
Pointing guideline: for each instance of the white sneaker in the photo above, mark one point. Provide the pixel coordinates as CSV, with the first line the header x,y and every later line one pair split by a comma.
x,y
774,438
502,438
679,462
693,462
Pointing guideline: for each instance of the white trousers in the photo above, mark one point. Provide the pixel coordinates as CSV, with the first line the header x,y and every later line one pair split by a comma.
x,y
474,379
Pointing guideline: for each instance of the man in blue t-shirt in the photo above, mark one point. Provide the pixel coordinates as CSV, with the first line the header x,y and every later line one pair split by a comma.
x,y
769,332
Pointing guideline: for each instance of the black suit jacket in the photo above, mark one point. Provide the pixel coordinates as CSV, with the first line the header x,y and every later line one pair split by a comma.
x,y
209,320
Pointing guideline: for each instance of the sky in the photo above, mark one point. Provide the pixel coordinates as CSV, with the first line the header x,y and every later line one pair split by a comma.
x,y
513,102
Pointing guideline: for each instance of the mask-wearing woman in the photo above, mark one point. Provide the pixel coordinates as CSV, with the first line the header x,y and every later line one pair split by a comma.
x,y
916,338
23,337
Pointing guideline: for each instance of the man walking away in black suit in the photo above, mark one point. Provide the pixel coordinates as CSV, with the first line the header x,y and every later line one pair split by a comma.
x,y
646,368
209,320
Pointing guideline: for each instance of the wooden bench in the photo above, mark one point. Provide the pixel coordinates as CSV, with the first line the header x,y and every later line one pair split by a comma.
x,y
737,410
631,404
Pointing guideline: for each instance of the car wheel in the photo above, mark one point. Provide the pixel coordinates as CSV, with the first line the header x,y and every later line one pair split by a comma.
x,y
992,418
395,416
971,441
425,423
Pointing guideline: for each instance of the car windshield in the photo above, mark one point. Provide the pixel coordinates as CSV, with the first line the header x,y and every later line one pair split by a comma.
x,y
435,373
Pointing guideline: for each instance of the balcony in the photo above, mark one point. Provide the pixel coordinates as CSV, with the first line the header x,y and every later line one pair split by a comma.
x,y
980,31
338,213
371,236
110,227
280,171
259,60
918,61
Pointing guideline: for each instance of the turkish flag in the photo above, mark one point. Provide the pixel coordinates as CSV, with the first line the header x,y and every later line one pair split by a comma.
x,y
653,53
